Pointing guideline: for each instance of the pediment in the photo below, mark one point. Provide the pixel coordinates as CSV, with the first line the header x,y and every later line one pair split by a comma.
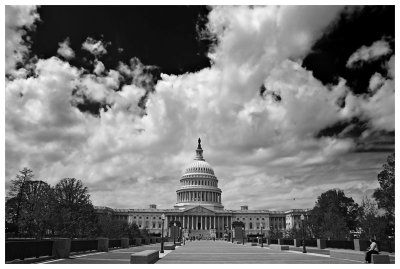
x,y
199,210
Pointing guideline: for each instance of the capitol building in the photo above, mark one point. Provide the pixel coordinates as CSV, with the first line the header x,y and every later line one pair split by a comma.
x,y
199,210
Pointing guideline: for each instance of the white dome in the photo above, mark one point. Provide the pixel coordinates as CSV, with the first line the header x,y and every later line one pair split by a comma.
x,y
199,167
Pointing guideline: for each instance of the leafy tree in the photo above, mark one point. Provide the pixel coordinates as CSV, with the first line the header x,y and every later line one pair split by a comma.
x,y
75,215
372,225
333,215
16,197
384,195
275,233
36,216
293,233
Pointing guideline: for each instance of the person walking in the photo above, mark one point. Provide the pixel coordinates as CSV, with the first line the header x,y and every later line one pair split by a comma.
x,y
372,249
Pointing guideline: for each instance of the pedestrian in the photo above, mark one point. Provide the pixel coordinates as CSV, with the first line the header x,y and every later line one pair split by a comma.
x,y
372,249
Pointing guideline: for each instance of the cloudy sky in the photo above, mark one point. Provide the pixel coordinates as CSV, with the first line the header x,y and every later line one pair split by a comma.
x,y
289,101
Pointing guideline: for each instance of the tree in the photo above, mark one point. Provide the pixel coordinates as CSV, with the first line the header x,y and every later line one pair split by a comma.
x,y
372,225
384,195
75,215
333,215
35,217
16,196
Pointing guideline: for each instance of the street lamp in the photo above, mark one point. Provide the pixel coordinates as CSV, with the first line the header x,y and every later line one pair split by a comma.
x,y
174,231
243,235
162,233
232,234
262,237
304,240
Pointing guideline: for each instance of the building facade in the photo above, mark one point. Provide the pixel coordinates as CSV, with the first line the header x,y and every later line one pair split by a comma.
x,y
199,210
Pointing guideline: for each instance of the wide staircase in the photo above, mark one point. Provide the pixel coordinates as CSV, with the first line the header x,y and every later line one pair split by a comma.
x,y
203,234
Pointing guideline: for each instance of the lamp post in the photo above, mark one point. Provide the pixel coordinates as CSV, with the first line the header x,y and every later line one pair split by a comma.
x,y
162,233
242,235
304,240
262,237
174,231
232,234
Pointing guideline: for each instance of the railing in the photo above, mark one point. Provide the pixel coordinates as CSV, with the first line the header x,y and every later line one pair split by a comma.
x,y
131,242
83,245
274,241
28,249
340,244
311,242
288,241
114,243
387,246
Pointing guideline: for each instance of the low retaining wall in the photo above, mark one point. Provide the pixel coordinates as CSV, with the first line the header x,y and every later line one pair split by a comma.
x,y
145,257
169,246
380,259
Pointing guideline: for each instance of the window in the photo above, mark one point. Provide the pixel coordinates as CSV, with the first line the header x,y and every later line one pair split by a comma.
x,y
159,225
154,225
140,217
134,217
154,217
159,217
147,217
237,218
262,218
251,225
257,218
250,218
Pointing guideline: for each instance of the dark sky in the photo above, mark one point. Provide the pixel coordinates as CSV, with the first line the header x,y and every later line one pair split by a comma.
x,y
168,37
164,36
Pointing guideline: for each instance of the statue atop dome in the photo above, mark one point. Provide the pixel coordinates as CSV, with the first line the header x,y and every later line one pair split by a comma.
x,y
199,151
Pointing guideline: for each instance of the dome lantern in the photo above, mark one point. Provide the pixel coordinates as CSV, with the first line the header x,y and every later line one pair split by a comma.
x,y
199,151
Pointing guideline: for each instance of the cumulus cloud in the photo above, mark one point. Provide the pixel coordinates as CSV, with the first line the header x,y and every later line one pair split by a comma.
x,y
264,152
18,19
65,50
371,53
95,47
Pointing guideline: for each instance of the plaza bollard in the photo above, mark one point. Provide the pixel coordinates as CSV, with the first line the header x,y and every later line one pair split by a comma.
x,y
297,242
61,248
102,244
321,243
124,242
360,245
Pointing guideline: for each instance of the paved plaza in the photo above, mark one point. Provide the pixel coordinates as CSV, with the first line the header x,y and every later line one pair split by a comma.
x,y
197,252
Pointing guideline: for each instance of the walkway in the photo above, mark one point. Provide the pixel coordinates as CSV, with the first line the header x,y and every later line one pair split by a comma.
x,y
198,252
225,252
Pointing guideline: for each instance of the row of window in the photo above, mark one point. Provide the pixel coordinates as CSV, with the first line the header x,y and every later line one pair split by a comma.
x,y
250,218
200,182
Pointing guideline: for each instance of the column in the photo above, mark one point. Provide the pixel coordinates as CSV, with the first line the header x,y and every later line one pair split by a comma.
x,y
183,222
209,223
201,222
197,221
192,222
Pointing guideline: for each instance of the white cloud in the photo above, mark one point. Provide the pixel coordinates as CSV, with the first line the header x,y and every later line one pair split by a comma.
x,y
16,19
65,50
371,53
96,47
263,151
